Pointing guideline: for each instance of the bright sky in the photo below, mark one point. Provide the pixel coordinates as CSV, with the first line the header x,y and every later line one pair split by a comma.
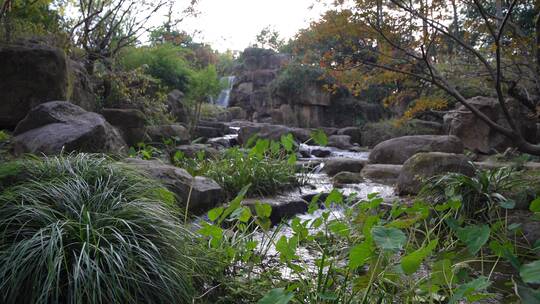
x,y
233,24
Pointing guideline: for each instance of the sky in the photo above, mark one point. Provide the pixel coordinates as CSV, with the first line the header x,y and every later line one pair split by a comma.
x,y
233,24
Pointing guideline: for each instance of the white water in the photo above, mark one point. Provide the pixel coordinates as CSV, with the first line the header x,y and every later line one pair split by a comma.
x,y
225,95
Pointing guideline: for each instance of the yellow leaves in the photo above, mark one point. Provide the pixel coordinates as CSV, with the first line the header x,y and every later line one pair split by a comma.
x,y
423,104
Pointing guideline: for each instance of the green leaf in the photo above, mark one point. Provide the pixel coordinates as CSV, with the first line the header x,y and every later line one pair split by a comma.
x,y
389,239
339,228
527,294
292,159
466,290
286,248
535,205
277,296
215,213
359,254
319,137
287,141
411,262
530,273
474,237
334,197
263,210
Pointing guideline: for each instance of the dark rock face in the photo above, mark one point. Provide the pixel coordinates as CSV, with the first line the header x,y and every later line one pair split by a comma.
x,y
282,207
205,193
334,166
398,150
29,75
425,165
130,122
477,136
50,127
82,87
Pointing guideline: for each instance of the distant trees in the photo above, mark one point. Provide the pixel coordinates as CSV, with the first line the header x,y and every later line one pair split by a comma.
x,y
447,46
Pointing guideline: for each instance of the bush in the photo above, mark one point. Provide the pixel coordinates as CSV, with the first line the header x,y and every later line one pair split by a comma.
x,y
164,62
84,229
295,78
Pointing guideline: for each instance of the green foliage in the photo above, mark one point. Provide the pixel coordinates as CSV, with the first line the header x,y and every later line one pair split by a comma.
x,y
276,296
85,229
164,62
268,167
203,84
481,194
294,79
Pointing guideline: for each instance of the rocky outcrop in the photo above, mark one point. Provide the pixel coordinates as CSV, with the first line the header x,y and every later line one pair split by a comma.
x,y
29,75
59,125
477,135
81,87
203,193
377,132
272,132
398,150
382,173
425,165
342,142
130,123
309,106
334,166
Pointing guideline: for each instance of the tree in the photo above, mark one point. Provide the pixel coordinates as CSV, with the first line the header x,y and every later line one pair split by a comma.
x,y
504,64
269,38
104,27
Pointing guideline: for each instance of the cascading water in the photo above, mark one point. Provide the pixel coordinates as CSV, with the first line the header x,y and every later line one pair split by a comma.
x,y
224,96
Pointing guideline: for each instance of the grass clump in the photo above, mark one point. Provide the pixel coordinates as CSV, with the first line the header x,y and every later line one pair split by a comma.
x,y
84,229
268,167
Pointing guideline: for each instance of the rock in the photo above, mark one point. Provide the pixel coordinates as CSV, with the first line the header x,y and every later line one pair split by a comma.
x,y
320,152
272,132
205,193
382,173
82,88
340,141
164,132
192,150
58,126
282,207
477,135
354,132
175,104
335,165
425,165
398,150
374,133
30,75
346,178
220,143
207,132
237,113
124,118
530,227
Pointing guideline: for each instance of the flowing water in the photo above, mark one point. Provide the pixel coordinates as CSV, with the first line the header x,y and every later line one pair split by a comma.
x,y
225,95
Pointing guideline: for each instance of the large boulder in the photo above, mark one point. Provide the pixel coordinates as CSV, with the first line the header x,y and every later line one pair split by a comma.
x,y
203,193
382,173
29,75
334,166
340,141
398,150
422,166
346,178
82,89
59,125
272,132
130,122
477,136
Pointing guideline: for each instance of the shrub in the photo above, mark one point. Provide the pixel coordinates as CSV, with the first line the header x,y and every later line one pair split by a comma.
x,y
295,78
376,132
164,62
84,229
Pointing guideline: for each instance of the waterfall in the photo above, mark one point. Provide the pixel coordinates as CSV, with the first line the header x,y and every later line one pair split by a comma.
x,y
223,99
